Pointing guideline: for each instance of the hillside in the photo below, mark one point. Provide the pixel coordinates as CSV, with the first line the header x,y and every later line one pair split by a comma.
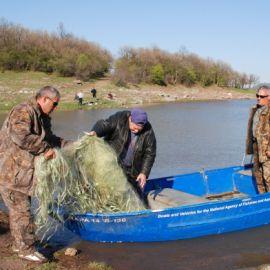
x,y
18,86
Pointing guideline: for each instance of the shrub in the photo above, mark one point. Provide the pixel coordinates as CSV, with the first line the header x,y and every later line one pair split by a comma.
x,y
160,67
157,74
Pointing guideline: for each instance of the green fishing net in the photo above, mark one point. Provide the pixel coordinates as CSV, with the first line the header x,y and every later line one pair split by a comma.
x,y
84,177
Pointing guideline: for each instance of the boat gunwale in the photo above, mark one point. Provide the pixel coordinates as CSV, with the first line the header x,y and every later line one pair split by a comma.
x,y
149,212
184,207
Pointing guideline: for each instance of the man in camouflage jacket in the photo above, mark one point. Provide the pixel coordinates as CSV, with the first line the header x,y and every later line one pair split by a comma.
x,y
25,134
258,139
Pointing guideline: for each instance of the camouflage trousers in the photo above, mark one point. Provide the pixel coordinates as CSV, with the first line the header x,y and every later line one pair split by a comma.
x,y
20,219
261,171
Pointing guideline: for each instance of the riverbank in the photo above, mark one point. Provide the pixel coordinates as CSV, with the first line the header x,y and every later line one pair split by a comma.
x,y
58,259
16,87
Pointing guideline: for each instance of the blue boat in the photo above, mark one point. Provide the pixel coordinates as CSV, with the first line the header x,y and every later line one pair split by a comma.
x,y
183,206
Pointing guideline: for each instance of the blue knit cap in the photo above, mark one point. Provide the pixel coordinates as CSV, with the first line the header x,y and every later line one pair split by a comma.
x,y
139,116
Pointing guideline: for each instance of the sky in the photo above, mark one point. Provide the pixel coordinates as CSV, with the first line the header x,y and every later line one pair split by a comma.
x,y
234,31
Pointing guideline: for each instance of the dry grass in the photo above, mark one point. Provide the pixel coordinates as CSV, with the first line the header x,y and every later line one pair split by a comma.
x,y
99,266
19,86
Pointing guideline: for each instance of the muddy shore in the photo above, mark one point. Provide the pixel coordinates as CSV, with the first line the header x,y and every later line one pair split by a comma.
x,y
56,254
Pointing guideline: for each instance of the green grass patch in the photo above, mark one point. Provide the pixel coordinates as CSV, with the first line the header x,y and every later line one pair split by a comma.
x,y
99,266
16,87
244,91
31,80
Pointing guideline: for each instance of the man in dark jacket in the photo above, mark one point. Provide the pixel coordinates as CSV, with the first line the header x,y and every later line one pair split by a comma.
x,y
131,136
25,135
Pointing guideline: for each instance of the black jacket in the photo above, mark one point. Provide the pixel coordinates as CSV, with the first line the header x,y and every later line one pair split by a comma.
x,y
115,131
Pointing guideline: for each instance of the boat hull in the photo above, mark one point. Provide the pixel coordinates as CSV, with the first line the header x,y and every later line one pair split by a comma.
x,y
213,217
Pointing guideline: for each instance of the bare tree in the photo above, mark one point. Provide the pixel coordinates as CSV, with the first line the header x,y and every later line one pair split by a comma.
x,y
61,31
252,80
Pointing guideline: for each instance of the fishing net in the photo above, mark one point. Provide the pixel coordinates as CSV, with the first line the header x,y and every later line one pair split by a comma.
x,y
84,177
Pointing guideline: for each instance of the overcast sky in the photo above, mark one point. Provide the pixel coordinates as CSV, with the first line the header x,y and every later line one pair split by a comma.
x,y
234,31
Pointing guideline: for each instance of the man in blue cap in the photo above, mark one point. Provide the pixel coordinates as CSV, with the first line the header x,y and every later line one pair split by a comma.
x,y
131,135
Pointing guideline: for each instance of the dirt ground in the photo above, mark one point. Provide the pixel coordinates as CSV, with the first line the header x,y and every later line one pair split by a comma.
x,y
148,94
57,258
20,86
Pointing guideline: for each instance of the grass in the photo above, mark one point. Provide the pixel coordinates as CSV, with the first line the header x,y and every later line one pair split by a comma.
x,y
99,266
48,266
245,91
16,87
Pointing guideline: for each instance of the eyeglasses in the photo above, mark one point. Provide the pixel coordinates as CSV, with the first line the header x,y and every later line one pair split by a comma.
x,y
260,96
55,103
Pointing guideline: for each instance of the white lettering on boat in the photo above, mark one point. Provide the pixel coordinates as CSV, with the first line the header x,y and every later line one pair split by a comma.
x,y
202,210
99,220
205,210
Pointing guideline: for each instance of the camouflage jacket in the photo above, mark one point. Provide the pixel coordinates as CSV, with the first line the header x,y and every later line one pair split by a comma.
x,y
25,134
262,133
250,138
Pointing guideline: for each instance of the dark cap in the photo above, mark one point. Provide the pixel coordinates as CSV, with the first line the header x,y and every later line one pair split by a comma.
x,y
138,116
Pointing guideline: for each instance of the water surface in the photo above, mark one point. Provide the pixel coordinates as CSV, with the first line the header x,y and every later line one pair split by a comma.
x,y
190,136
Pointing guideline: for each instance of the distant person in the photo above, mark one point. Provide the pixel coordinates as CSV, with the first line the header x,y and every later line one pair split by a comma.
x,y
25,135
257,142
131,135
94,93
80,96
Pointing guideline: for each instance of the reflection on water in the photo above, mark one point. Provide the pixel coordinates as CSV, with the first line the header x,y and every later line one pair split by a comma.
x,y
190,136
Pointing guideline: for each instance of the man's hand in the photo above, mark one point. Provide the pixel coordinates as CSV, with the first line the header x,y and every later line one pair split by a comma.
x,y
141,179
49,154
91,133
268,154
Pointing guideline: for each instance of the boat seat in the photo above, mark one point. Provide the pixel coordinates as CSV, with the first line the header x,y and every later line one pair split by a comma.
x,y
226,195
168,197
245,172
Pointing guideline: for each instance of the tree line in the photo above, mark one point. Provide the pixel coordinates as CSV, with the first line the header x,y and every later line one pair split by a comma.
x,y
160,67
63,53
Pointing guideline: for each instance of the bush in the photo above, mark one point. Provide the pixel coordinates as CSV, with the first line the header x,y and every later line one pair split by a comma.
x,y
162,68
157,74
189,77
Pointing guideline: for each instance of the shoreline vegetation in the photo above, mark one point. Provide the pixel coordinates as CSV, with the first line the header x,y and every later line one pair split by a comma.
x,y
16,87
30,60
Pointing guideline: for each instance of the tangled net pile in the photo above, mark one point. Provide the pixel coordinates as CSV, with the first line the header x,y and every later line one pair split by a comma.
x,y
84,177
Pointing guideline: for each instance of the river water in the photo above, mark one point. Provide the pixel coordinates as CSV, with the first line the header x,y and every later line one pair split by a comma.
x,y
190,136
